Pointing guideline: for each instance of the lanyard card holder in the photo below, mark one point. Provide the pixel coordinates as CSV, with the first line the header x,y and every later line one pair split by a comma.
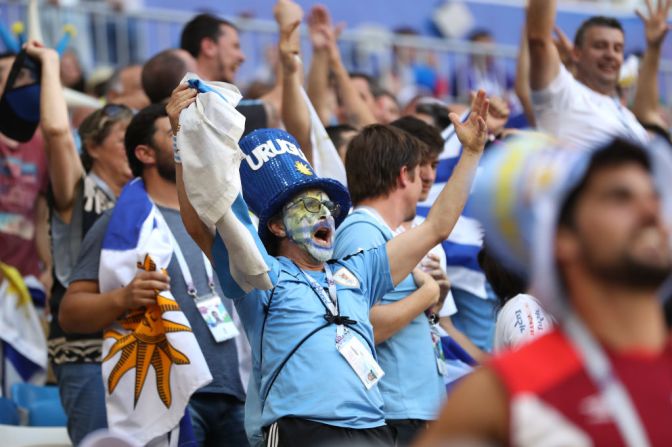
x,y
350,347
216,316
438,351
210,305
360,360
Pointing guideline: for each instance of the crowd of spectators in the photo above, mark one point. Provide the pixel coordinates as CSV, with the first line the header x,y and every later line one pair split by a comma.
x,y
411,271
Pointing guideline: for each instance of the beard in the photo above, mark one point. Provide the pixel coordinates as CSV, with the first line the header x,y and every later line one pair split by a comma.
x,y
633,272
165,166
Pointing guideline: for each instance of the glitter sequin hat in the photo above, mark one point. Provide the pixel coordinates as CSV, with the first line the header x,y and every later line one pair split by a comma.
x,y
275,170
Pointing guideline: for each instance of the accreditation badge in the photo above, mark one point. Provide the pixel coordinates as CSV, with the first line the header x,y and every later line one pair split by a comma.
x,y
360,360
216,317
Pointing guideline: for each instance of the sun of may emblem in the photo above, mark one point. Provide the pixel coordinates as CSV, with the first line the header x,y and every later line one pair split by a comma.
x,y
147,345
302,168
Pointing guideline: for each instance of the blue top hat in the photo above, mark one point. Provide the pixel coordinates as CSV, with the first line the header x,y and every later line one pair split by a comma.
x,y
275,170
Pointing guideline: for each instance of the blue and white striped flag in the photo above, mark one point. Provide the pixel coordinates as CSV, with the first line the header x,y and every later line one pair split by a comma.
x,y
466,239
457,361
152,363
23,345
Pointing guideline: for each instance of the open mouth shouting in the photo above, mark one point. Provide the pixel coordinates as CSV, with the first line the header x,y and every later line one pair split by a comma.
x,y
322,234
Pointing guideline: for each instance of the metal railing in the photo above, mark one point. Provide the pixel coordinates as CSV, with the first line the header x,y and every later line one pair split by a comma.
x,y
110,38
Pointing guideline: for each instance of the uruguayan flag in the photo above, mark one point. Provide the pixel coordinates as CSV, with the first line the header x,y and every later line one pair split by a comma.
x,y
152,363
466,239
23,345
457,361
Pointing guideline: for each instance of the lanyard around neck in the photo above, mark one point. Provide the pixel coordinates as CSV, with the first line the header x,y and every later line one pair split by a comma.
x,y
611,389
184,267
329,301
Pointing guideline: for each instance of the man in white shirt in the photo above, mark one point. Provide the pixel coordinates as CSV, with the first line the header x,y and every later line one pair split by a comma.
x,y
581,110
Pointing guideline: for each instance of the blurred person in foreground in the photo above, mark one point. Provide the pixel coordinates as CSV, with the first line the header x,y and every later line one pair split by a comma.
x,y
598,259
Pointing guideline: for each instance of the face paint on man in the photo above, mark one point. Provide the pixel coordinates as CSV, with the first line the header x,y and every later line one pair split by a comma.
x,y
310,224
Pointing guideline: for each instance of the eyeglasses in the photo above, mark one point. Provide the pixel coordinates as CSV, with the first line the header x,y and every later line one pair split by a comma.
x,y
313,205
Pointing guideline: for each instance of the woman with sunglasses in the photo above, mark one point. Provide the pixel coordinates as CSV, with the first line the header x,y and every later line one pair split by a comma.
x,y
81,189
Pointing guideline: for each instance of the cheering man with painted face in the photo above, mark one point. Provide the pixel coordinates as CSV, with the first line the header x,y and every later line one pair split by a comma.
x,y
315,372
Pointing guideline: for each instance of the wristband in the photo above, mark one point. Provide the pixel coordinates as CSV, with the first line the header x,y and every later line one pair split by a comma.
x,y
176,151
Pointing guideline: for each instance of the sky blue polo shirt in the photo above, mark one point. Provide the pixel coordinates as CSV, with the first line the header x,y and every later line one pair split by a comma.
x,y
316,383
412,387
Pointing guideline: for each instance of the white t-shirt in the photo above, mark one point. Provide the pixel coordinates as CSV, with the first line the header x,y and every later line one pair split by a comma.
x,y
521,319
581,117
449,308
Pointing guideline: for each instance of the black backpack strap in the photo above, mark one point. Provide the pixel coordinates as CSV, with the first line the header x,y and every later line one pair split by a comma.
x,y
284,362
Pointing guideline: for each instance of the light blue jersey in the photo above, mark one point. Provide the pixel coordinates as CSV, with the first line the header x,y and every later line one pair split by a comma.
x,y
412,387
295,363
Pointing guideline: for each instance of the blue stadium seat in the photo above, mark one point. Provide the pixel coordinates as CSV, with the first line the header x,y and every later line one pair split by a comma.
x,y
9,413
42,404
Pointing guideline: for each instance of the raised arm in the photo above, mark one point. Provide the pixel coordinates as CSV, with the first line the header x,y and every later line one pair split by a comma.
x,y
406,250
43,242
294,111
358,113
544,57
647,95
65,167
180,99
522,82
320,27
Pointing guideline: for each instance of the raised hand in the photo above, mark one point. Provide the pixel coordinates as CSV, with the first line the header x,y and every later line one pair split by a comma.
x,y
323,34
565,47
655,24
179,100
286,12
319,24
498,114
473,133
425,280
432,266
38,51
289,49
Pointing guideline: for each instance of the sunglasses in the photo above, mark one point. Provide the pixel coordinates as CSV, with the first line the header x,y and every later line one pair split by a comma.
x,y
313,205
105,115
